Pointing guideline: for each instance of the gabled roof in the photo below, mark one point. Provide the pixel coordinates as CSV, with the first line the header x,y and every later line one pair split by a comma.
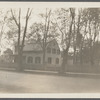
x,y
32,47
35,46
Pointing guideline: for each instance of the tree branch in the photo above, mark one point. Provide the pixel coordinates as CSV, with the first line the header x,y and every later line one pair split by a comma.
x,y
14,18
25,29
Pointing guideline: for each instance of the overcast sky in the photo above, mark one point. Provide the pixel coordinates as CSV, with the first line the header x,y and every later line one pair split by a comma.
x,y
39,7
48,4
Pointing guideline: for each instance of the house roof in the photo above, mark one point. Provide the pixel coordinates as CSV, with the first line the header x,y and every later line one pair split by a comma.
x,y
33,46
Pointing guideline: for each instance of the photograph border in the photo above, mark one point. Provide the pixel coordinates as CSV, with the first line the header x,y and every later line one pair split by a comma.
x,y
54,96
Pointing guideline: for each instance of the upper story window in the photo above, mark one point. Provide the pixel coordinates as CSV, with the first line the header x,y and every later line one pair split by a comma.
x,y
54,51
58,51
30,60
48,50
37,60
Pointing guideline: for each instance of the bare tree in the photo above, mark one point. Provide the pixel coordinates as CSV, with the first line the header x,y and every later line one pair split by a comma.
x,y
66,30
92,20
21,43
46,32
43,32
3,22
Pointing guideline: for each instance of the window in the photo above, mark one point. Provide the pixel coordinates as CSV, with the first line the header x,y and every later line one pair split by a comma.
x,y
49,60
57,60
30,60
48,50
37,60
58,52
54,51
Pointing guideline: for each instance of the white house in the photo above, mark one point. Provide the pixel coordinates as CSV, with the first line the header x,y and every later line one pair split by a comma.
x,y
33,54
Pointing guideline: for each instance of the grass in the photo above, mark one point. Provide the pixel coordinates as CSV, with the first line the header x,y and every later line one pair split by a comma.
x,y
85,68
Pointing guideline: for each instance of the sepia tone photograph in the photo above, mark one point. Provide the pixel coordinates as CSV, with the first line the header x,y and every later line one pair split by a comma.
x,y
49,48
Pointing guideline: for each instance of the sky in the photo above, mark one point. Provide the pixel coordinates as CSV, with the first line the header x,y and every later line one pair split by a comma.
x,y
48,4
39,7
34,18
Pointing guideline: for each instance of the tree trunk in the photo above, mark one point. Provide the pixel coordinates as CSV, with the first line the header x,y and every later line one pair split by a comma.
x,y
20,67
74,56
65,52
44,55
64,62
92,56
81,56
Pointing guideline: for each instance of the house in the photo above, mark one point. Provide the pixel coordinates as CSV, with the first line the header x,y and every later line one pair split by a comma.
x,y
33,54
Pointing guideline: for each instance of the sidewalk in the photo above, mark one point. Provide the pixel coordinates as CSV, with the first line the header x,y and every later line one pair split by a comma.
x,y
42,72
69,74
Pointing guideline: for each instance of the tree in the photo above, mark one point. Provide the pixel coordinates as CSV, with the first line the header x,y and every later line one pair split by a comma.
x,y
46,32
86,21
3,22
91,19
65,24
8,51
43,32
7,55
20,44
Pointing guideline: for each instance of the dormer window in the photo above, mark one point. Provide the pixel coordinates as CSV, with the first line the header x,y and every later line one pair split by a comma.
x,y
48,50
